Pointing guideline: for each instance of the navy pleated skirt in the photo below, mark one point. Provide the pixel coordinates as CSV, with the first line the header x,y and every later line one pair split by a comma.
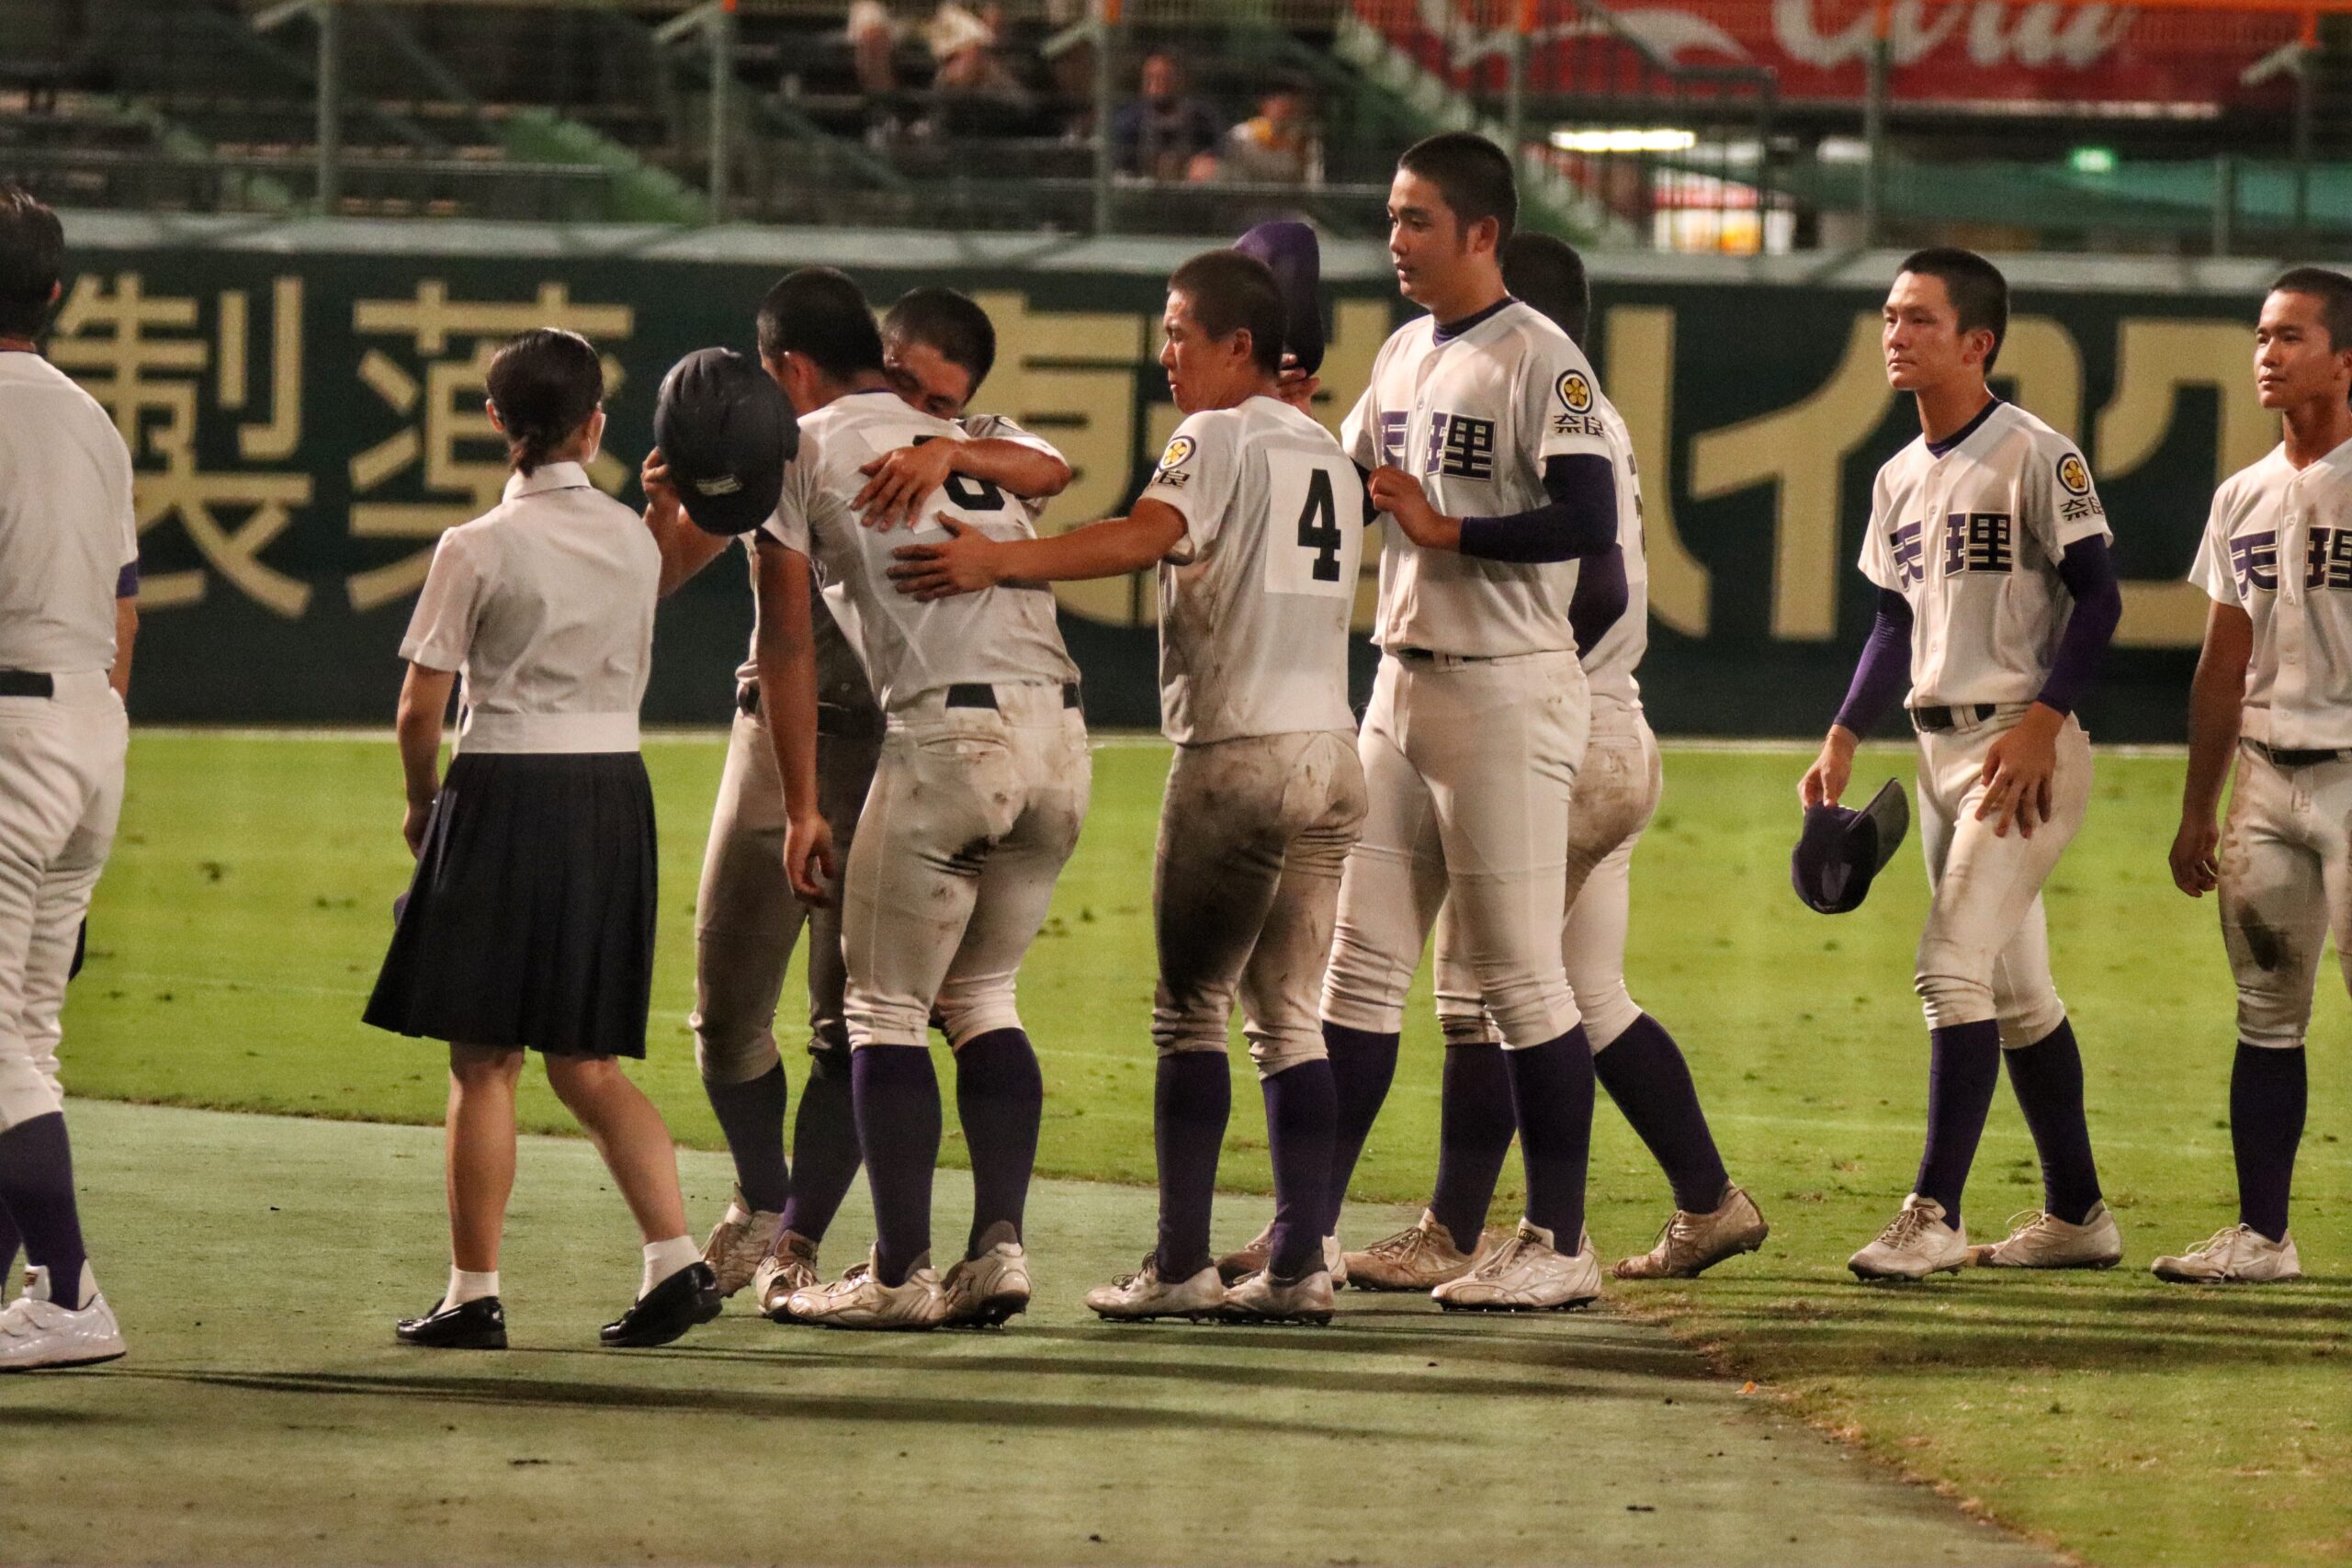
x,y
530,919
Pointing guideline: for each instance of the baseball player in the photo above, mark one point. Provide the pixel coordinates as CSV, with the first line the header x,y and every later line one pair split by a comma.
x,y
1997,597
1254,518
69,574
1485,453
2274,687
1617,791
939,347
977,801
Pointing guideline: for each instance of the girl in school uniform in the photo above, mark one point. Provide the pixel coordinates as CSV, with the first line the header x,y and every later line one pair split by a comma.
x,y
529,925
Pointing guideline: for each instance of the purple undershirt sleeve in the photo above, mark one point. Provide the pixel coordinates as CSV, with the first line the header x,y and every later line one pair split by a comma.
x,y
1600,598
1884,672
1579,520
126,582
2089,572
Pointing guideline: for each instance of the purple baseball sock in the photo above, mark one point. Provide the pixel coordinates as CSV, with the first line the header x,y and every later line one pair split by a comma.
x,y
1000,1097
1963,1066
1302,1113
36,1191
1644,1072
895,1095
2269,1091
2048,1078
1190,1099
825,1146
1551,1093
1476,1126
9,1243
751,1116
1362,1064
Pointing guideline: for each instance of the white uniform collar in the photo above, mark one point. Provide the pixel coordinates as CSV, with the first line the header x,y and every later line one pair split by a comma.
x,y
548,476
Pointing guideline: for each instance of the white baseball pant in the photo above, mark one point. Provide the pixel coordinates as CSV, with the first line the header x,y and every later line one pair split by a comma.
x,y
973,813
1469,768
60,798
2286,882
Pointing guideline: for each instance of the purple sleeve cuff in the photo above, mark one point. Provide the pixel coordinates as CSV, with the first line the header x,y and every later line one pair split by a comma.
x,y
1580,519
126,582
1884,672
2089,572
1600,598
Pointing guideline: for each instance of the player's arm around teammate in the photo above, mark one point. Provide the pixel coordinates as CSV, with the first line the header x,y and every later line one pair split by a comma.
x,y
2273,690
1996,599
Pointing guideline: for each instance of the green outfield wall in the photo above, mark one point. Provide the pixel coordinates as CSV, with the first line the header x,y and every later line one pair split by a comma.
x,y
303,404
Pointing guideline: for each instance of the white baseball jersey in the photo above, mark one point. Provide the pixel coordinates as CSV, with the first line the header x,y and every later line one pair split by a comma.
x,y
1972,537
910,647
1475,418
2279,545
1610,663
66,527
1254,607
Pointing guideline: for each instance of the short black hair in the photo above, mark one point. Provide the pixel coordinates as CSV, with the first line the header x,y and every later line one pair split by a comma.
x,y
2332,289
1472,174
32,261
1980,295
951,322
544,384
1547,272
1229,292
819,311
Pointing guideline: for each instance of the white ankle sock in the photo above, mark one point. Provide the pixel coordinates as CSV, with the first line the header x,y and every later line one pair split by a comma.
x,y
663,1259
465,1285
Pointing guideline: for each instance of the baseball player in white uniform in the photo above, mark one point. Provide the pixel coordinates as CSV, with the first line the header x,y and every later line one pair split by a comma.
x,y
69,572
1255,520
1617,793
938,347
1997,597
976,803
2274,689
1484,451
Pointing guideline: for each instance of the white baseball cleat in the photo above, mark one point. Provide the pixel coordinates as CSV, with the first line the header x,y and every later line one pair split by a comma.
x,y
1915,1244
1250,1259
860,1300
1335,1263
1261,1298
2234,1255
737,1243
1420,1258
1689,1244
1132,1298
38,1332
1526,1273
2039,1240
983,1291
789,1266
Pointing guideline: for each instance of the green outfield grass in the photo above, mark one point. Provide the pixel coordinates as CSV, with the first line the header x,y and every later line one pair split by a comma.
x,y
239,929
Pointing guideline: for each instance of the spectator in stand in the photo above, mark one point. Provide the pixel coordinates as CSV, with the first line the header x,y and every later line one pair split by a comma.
x,y
1166,134
1280,145
962,41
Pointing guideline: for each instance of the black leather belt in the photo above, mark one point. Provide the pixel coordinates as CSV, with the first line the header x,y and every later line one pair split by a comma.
x,y
833,720
1429,656
26,683
980,694
1942,719
2286,757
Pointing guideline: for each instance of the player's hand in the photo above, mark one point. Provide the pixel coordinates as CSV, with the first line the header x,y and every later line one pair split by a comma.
x,y
2196,865
898,482
2018,770
966,562
1824,782
413,827
809,861
1400,495
1296,387
662,506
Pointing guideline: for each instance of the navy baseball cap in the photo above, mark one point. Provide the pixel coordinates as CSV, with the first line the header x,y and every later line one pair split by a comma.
x,y
1291,249
726,430
1840,851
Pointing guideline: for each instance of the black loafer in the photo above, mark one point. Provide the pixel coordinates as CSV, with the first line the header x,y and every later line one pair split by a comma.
x,y
686,1298
477,1324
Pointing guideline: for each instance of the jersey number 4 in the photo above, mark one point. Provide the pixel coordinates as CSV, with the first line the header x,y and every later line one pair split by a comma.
x,y
1307,550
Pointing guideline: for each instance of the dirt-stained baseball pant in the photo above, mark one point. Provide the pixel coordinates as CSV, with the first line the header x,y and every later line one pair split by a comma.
x,y
1985,952
976,803
2286,882
1470,765
1253,835
1617,793
61,797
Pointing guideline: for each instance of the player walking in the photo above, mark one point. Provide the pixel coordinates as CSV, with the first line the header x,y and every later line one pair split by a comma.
x,y
2274,687
1997,597
69,573
1254,518
1485,453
